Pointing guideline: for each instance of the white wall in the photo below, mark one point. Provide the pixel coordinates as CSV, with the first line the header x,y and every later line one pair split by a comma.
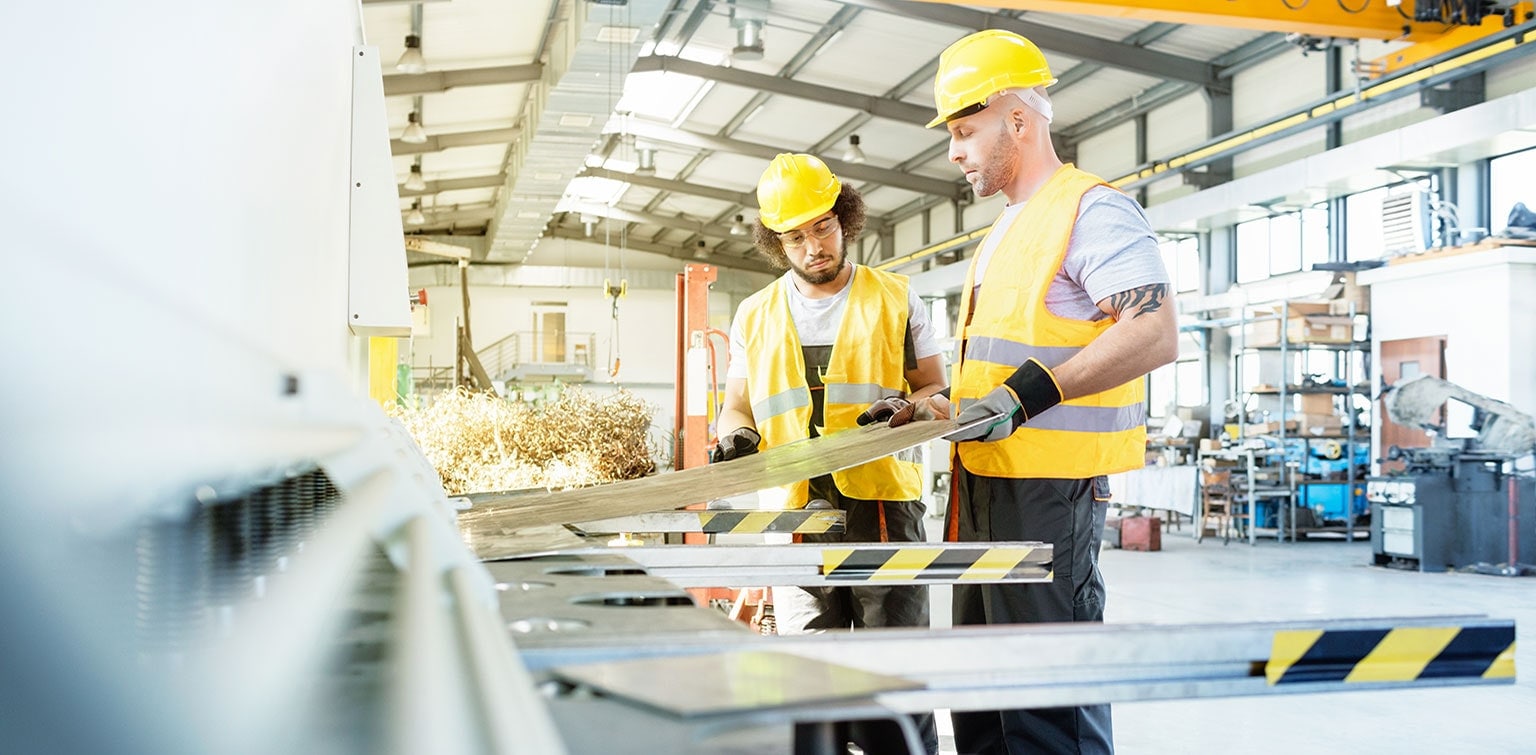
x,y
201,151
1110,154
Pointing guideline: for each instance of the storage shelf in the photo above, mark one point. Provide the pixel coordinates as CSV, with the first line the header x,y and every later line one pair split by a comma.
x,y
1304,345
1302,390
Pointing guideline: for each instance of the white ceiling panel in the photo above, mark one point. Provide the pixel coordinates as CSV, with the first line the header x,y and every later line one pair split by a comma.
x,y
484,158
701,209
887,199
1105,88
475,33
730,171
1203,42
876,52
1103,27
718,107
470,108
463,197
791,124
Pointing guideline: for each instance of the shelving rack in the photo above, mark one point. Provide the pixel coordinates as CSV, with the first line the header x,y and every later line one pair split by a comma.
x,y
1350,439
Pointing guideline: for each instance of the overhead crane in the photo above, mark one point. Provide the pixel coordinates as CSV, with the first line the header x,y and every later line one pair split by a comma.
x,y
1432,27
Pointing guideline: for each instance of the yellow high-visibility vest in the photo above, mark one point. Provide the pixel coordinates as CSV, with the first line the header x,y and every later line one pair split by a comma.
x,y
1084,437
867,364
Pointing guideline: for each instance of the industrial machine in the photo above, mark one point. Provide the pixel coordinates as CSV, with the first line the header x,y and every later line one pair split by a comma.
x,y
1462,502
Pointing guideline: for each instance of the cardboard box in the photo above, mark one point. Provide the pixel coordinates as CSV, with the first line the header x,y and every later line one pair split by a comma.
x,y
1320,329
1315,403
1141,533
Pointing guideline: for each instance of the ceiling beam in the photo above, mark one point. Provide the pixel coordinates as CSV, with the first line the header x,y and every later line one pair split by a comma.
x,y
881,107
451,184
752,264
657,132
630,216
1081,46
440,142
432,82
449,217
743,198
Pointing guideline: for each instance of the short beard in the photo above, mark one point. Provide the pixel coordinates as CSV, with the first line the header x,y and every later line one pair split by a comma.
x,y
999,167
826,276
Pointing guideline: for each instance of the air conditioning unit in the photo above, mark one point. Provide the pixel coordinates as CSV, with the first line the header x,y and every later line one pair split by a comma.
x,y
1406,224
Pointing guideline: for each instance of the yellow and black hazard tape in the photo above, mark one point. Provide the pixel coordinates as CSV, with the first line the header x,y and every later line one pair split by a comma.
x,y
923,564
1405,654
798,521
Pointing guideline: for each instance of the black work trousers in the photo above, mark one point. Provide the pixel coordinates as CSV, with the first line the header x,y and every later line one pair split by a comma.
x,y
801,610
1068,514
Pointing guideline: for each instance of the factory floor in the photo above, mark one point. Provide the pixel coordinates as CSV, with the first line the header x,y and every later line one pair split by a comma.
x,y
1211,582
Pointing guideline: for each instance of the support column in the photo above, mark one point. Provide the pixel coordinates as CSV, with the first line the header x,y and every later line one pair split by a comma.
x,y
1216,250
1219,122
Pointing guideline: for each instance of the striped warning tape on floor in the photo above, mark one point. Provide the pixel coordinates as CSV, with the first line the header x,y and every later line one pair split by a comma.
x,y
800,522
920,564
1391,655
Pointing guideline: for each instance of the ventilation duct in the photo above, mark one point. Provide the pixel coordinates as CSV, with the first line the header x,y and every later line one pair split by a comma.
x,y
566,114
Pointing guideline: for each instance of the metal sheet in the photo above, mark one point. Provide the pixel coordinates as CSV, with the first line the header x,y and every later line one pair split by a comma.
x,y
811,564
734,522
493,517
718,683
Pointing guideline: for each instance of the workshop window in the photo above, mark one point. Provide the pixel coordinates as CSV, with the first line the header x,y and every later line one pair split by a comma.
x,y
1285,243
1511,179
1181,256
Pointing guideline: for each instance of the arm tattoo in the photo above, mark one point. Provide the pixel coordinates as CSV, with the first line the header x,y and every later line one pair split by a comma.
x,y
1138,301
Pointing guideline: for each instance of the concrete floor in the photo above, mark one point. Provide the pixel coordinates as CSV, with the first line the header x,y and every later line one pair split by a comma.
x,y
1211,582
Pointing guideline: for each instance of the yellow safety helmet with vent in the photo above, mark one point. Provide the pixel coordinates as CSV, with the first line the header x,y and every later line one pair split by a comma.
x,y
794,190
982,64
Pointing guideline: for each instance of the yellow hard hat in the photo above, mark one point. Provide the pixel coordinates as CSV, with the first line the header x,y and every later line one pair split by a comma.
x,y
982,64
794,190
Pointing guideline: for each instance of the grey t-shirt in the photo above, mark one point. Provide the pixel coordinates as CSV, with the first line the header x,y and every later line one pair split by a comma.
x,y
1112,249
817,322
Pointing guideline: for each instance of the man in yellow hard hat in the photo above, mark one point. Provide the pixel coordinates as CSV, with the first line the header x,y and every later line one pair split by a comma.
x,y
1064,311
828,346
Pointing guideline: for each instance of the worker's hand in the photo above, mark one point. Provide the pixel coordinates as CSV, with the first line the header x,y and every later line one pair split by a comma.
x,y
1026,393
885,409
737,443
922,410
1000,403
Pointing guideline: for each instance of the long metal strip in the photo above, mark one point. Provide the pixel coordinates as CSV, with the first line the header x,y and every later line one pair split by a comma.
x,y
985,668
811,564
733,522
493,516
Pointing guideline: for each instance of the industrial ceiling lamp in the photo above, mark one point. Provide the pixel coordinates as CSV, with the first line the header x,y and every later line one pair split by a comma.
x,y
414,133
739,228
645,160
701,251
415,182
589,223
415,217
853,154
748,17
411,60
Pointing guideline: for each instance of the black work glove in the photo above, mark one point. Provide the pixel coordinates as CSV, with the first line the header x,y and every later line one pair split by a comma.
x,y
885,409
737,443
1031,389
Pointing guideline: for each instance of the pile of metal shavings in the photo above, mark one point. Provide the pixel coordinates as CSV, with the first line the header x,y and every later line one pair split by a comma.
x,y
479,442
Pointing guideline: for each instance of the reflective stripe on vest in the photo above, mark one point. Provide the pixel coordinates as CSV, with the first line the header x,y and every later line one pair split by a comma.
x,y
781,403
866,364
1083,437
